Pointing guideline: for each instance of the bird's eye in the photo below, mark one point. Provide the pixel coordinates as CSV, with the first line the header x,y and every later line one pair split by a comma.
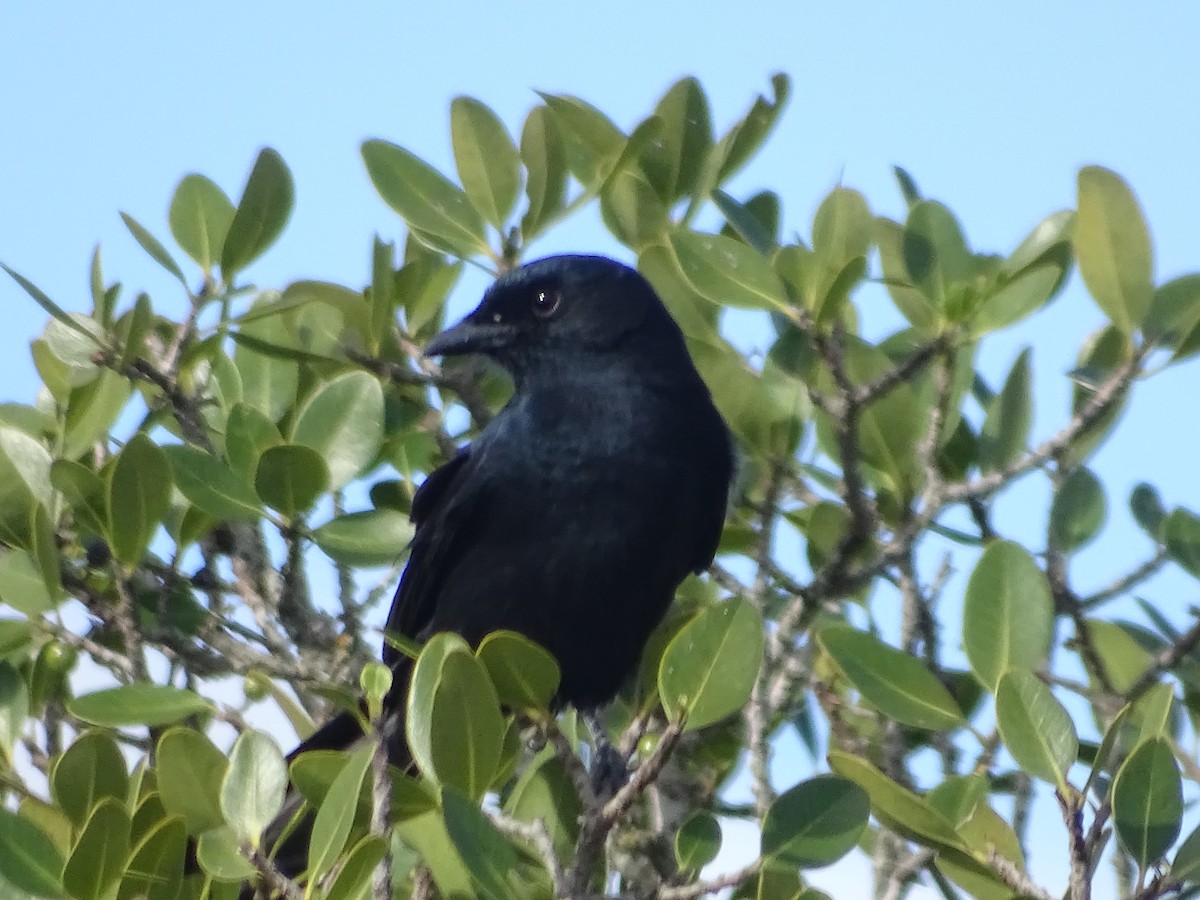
x,y
546,303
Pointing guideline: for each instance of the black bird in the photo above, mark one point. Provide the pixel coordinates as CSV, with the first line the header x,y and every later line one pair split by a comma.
x,y
581,506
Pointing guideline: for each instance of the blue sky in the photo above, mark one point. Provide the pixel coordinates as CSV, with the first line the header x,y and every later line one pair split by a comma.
x,y
992,108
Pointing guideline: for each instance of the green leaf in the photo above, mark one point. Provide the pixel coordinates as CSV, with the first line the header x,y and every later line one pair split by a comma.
x,y
154,247
90,770
14,711
935,252
815,823
592,144
211,486
1008,614
56,312
895,683
896,806
290,478
191,772
100,854
29,860
139,495
725,271
200,215
709,667
262,213
155,869
356,872
137,704
22,586
746,136
92,410
740,221
545,172
1026,292
841,234
1035,727
1113,248
1078,510
219,855
343,421
454,725
1147,801
1009,418
544,791
438,210
489,857
525,675
254,784
248,432
1185,867
1181,534
1123,658
674,162
375,537
24,482
488,164
698,841
632,209
331,827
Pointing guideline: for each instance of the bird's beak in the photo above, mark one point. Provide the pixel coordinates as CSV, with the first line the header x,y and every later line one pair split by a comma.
x,y
470,336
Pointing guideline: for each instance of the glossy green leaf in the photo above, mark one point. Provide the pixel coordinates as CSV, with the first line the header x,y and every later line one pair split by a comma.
x,y
935,252
1185,867
489,857
155,869
896,683
1147,802
912,303
139,495
101,853
725,271
592,144
331,828
1026,292
1009,418
154,247
674,162
199,216
290,478
815,823
355,875
190,773
92,410
29,861
488,163
89,771
1035,727
1078,510
454,725
896,806
1008,614
709,667
698,841
261,214
212,486
429,202
219,855
137,704
525,675
1181,534
1113,248
343,421
22,586
545,171
254,784
544,791
375,537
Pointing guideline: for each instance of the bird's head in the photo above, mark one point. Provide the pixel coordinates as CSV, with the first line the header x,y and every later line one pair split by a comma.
x,y
558,310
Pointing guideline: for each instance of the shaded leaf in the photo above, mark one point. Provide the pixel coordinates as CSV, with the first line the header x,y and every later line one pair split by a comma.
x,y
1078,510
335,816
1147,801
28,859
290,478
1035,727
100,854
525,675
815,823
261,214
139,495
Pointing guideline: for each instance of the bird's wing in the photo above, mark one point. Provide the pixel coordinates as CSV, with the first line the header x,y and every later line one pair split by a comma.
x,y
444,512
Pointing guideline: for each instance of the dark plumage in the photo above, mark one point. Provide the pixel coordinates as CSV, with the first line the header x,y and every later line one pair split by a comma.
x,y
581,506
